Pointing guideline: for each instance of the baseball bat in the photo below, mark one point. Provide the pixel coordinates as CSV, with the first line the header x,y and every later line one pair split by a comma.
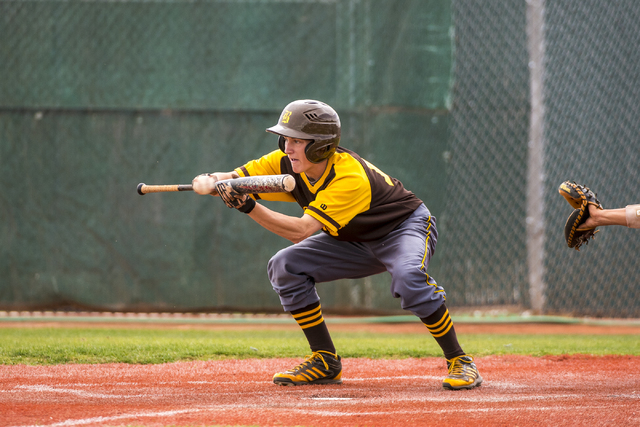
x,y
246,185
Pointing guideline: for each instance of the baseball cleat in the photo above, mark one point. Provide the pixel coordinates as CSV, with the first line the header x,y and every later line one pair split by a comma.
x,y
321,367
462,374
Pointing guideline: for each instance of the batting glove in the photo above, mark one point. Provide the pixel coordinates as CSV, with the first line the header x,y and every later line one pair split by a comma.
x,y
233,199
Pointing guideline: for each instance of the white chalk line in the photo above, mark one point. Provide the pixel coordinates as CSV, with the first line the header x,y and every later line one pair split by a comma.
x,y
334,398
307,411
402,377
344,403
115,417
429,397
46,388
455,410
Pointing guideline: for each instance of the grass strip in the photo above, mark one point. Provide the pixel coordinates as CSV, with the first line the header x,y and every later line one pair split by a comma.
x,y
49,346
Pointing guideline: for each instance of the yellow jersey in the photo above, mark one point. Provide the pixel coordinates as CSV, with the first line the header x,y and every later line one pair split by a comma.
x,y
354,200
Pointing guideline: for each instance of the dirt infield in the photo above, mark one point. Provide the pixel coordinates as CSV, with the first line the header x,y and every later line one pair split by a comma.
x,y
517,391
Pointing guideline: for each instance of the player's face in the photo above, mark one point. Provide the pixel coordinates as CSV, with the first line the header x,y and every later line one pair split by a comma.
x,y
294,148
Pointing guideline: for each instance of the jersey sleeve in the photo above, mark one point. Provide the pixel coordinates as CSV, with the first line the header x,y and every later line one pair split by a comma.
x,y
268,164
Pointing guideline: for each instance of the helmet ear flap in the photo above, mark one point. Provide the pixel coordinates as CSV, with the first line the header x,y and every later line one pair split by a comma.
x,y
314,155
281,143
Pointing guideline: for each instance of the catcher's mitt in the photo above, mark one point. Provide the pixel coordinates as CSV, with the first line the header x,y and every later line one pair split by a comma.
x,y
579,197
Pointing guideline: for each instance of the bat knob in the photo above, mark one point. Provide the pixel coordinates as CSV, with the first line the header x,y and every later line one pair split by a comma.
x,y
140,189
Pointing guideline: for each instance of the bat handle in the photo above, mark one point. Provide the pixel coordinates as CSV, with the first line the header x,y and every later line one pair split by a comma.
x,y
144,188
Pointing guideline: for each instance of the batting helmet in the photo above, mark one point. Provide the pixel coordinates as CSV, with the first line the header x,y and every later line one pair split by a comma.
x,y
313,120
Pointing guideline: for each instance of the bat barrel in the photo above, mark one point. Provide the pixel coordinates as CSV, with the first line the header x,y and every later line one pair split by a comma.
x,y
263,184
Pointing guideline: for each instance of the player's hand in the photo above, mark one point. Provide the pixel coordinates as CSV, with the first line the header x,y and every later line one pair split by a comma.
x,y
592,221
233,199
205,184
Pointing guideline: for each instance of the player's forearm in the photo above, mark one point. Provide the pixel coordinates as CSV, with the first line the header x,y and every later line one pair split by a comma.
x,y
291,228
609,216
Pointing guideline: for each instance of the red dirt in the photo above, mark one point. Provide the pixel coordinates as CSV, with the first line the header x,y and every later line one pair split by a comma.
x,y
517,391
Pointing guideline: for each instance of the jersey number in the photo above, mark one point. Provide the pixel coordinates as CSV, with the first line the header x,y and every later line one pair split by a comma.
x,y
384,175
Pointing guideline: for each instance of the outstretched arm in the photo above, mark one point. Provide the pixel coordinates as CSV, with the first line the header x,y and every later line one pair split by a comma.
x,y
600,217
290,227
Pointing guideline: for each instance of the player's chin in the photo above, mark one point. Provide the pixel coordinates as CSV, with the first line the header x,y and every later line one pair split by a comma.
x,y
296,166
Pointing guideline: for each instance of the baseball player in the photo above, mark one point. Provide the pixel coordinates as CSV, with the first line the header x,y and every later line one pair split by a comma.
x,y
368,223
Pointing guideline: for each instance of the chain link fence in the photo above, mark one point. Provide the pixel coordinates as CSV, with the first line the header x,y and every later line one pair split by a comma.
x,y
98,96
434,93
593,137
591,131
484,238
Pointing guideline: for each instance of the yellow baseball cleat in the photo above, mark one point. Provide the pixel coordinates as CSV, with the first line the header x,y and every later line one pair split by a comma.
x,y
462,374
321,367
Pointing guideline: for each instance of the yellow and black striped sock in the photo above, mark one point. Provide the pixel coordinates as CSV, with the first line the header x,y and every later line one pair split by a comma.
x,y
441,328
315,329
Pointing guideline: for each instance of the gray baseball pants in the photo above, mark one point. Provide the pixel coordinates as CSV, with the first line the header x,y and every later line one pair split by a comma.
x,y
405,253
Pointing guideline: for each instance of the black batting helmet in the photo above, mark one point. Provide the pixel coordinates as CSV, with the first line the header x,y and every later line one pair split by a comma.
x,y
313,120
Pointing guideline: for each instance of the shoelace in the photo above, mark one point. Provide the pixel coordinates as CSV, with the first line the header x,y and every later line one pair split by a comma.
x,y
309,360
456,367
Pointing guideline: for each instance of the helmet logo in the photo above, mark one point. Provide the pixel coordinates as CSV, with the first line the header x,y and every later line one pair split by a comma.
x,y
286,115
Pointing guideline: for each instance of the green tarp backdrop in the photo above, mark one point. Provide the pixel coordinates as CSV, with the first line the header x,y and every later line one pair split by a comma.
x,y
98,96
